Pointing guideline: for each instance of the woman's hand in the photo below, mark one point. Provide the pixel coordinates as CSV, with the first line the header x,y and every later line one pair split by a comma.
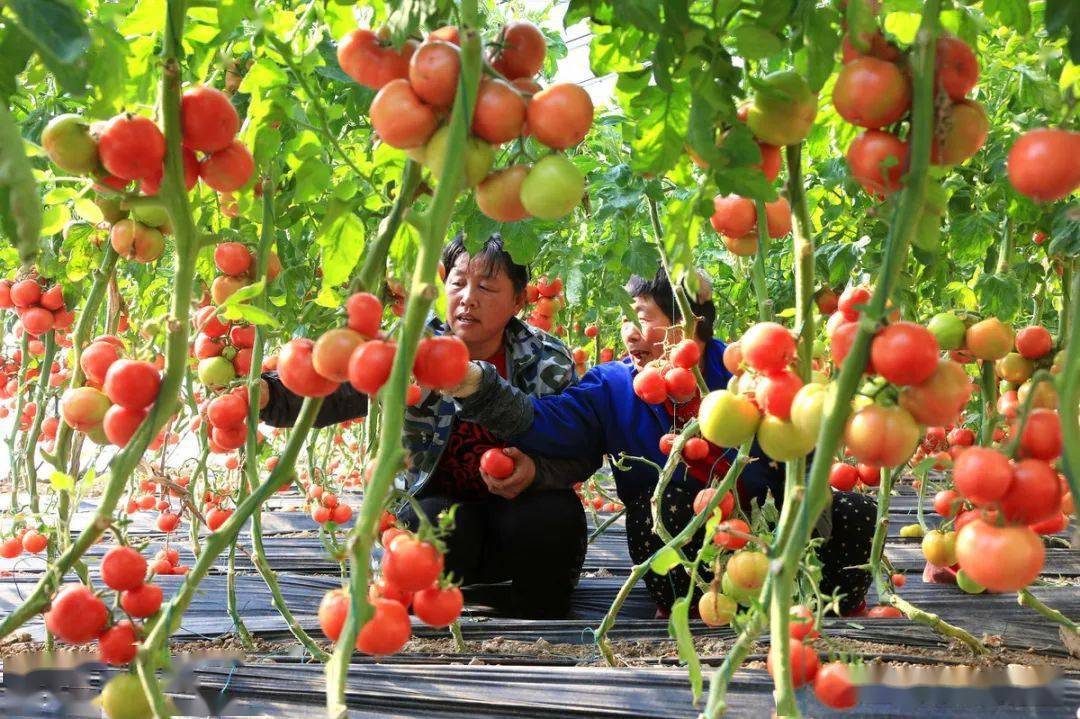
x,y
523,475
469,385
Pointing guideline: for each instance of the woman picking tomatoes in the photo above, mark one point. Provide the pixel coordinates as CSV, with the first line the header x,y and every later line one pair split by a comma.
x,y
603,415
526,526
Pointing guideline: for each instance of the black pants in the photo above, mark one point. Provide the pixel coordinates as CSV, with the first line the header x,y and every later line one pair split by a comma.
x,y
853,517
536,541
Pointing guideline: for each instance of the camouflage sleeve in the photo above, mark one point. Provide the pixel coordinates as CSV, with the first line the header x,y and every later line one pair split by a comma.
x,y
497,405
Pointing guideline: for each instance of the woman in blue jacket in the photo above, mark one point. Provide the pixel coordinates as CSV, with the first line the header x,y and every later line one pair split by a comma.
x,y
602,415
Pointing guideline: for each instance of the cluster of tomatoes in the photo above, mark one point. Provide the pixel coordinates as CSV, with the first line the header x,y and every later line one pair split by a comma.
x,y
117,396
595,499
153,497
327,507
23,540
357,353
77,615
39,309
671,379
546,298
410,576
131,148
227,415
416,88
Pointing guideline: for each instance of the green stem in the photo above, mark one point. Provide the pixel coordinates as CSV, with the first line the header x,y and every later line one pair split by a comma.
x,y
374,268
1069,393
1026,599
716,704
988,406
40,397
674,460
432,227
757,271
881,531
20,403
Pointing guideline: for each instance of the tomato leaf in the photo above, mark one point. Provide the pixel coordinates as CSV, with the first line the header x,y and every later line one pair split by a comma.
x,y
60,37
20,206
755,42
662,119
61,482
999,295
679,629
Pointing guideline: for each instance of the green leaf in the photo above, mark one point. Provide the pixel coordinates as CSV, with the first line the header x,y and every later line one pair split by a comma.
x,y
147,17
60,37
754,42
232,12
61,482
999,295
245,293
662,119
20,205
252,314
664,561
1014,14
15,52
821,40
342,241
679,628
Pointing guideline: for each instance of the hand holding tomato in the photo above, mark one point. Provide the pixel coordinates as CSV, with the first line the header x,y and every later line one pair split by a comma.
x,y
518,481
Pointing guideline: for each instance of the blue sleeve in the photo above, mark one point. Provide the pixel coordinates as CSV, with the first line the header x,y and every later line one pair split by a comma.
x,y
571,423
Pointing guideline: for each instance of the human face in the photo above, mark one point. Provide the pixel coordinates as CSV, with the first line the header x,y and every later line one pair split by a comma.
x,y
480,300
647,343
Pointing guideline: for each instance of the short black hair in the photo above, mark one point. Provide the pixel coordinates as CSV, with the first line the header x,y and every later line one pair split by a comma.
x,y
659,290
493,254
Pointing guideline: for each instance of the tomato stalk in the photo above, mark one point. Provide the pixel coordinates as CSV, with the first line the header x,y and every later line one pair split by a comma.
x,y
20,404
1026,599
1069,392
373,270
34,433
679,540
432,225
988,406
251,466
673,461
757,271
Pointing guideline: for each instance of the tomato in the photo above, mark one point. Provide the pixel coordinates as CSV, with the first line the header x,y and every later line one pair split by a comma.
x,y
898,580
1042,166
232,258
25,293
117,644
748,568
412,564
940,399
878,47
96,359
399,118
142,601
667,441
365,313
956,68
36,321
982,475
208,120
135,241
387,631
34,542
727,419
783,108
370,365
332,351
500,112
990,339
878,160
680,384
885,612
882,435
724,537
121,423
478,156
947,503
1002,559
68,143
733,216
871,93
441,362
777,218
333,609
438,607
716,609
363,58
804,662
948,329
1042,438
132,383
520,50
83,408
685,354
768,347
827,301
833,688
131,147
1034,342
776,392
960,133
499,195
801,623
1015,368
76,616
869,474
11,548
782,441
560,116
297,371
843,476
123,698
904,353
433,72
228,169
553,187
216,517
494,462
1033,495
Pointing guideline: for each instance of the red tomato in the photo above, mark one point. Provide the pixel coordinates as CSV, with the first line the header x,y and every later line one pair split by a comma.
x,y
495,463
982,475
438,607
412,564
833,688
1042,165
804,662
871,93
1002,559
905,353
76,615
